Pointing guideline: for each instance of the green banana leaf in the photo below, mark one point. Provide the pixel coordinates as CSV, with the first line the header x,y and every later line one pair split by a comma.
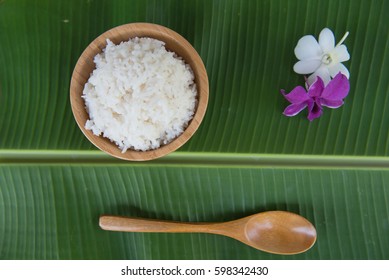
x,y
245,158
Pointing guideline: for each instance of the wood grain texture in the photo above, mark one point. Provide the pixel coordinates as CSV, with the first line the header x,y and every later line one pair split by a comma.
x,y
174,42
277,232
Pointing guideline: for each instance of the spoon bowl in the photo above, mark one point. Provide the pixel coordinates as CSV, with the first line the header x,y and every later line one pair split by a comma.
x,y
277,232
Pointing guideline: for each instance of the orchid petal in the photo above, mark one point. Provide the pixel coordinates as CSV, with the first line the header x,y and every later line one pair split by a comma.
x,y
294,109
326,40
316,89
297,95
331,103
335,69
321,72
308,48
306,66
315,111
337,89
339,54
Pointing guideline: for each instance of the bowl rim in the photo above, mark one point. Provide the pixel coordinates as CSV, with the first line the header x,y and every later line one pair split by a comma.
x,y
79,78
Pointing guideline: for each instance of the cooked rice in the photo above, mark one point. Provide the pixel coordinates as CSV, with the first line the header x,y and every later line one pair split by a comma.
x,y
140,95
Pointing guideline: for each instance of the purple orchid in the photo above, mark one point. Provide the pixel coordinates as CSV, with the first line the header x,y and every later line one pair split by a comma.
x,y
318,95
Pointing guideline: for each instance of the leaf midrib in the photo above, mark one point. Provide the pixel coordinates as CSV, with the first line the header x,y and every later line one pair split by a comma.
x,y
206,159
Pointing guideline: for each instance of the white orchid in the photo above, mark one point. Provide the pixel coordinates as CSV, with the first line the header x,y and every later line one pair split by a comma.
x,y
322,58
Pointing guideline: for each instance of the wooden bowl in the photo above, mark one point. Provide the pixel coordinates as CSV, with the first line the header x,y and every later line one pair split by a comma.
x,y
174,42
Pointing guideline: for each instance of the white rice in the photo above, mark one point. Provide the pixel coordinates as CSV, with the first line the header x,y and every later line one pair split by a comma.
x,y
140,95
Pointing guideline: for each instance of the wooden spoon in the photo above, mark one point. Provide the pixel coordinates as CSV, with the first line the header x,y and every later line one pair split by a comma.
x,y
276,232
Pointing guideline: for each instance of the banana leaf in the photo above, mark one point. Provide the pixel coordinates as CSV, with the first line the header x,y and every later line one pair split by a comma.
x,y
245,158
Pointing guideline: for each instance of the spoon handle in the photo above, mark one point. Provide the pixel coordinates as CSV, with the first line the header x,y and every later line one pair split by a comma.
x,y
117,223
